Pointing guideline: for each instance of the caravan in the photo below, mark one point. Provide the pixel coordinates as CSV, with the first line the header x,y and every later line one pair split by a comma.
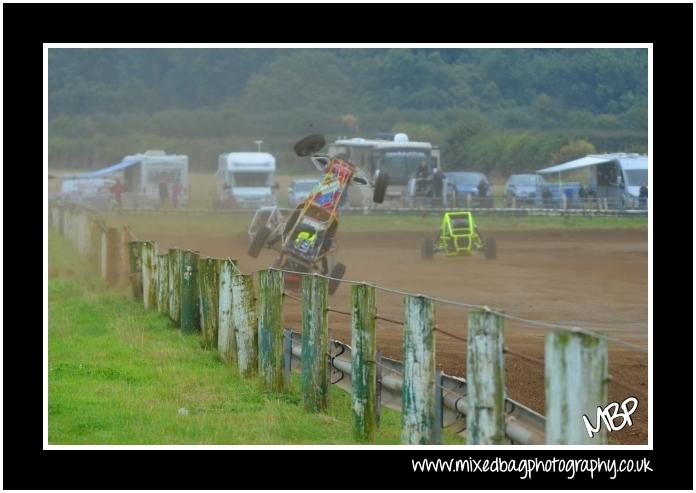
x,y
151,179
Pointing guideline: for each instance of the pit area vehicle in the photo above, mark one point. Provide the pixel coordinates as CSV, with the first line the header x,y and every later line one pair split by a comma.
x,y
306,240
458,236
300,189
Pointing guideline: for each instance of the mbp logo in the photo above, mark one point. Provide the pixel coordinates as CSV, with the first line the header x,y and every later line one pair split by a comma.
x,y
609,415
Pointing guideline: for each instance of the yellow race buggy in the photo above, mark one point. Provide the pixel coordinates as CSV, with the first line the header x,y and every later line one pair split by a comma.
x,y
458,236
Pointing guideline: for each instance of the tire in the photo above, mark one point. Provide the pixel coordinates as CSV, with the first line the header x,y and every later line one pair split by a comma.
x,y
427,250
259,241
380,187
309,145
337,273
291,222
489,249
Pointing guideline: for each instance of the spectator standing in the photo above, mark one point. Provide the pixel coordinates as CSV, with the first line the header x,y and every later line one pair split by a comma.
x,y
176,192
438,179
163,194
643,196
117,191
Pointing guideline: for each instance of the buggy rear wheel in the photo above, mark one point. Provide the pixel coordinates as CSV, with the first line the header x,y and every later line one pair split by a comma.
x,y
427,249
259,241
337,274
380,187
489,249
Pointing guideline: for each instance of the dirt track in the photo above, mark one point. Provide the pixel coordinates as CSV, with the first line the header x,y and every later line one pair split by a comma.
x,y
588,278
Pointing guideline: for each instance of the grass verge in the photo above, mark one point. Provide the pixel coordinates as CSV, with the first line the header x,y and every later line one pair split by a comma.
x,y
120,375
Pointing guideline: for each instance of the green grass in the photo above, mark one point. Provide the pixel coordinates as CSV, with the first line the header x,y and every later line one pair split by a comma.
x,y
119,375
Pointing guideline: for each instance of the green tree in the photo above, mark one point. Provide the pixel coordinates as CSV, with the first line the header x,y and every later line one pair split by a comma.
x,y
574,149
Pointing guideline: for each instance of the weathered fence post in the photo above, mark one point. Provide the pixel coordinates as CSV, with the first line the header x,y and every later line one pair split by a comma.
x,y
104,253
61,220
271,328
124,266
244,323
82,233
96,246
364,367
67,223
208,292
163,283
175,285
226,338
190,320
315,343
576,373
113,254
418,393
136,272
485,379
148,256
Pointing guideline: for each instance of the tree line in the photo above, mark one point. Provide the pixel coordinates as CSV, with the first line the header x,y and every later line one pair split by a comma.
x,y
497,110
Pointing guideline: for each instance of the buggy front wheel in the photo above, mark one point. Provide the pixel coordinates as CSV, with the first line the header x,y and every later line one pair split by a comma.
x,y
380,187
259,241
337,274
489,248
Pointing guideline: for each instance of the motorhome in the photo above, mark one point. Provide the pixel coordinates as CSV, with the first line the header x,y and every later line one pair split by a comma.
x,y
394,154
245,180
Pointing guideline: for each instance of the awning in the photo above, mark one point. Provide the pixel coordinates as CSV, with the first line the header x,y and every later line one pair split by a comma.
x,y
584,162
109,169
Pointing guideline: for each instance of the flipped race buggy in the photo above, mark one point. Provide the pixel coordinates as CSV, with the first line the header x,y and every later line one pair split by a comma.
x,y
306,239
458,236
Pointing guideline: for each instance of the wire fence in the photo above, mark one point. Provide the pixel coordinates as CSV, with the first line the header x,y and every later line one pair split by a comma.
x,y
193,285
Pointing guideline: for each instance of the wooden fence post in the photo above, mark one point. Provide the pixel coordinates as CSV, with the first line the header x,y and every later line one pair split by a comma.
x,y
136,270
67,223
418,393
113,255
163,283
364,367
95,243
104,252
315,343
226,338
190,316
208,292
576,373
175,285
83,239
485,379
245,324
61,220
271,328
124,267
149,254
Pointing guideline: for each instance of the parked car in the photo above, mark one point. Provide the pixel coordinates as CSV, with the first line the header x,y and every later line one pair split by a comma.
x,y
299,190
91,192
467,187
524,189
